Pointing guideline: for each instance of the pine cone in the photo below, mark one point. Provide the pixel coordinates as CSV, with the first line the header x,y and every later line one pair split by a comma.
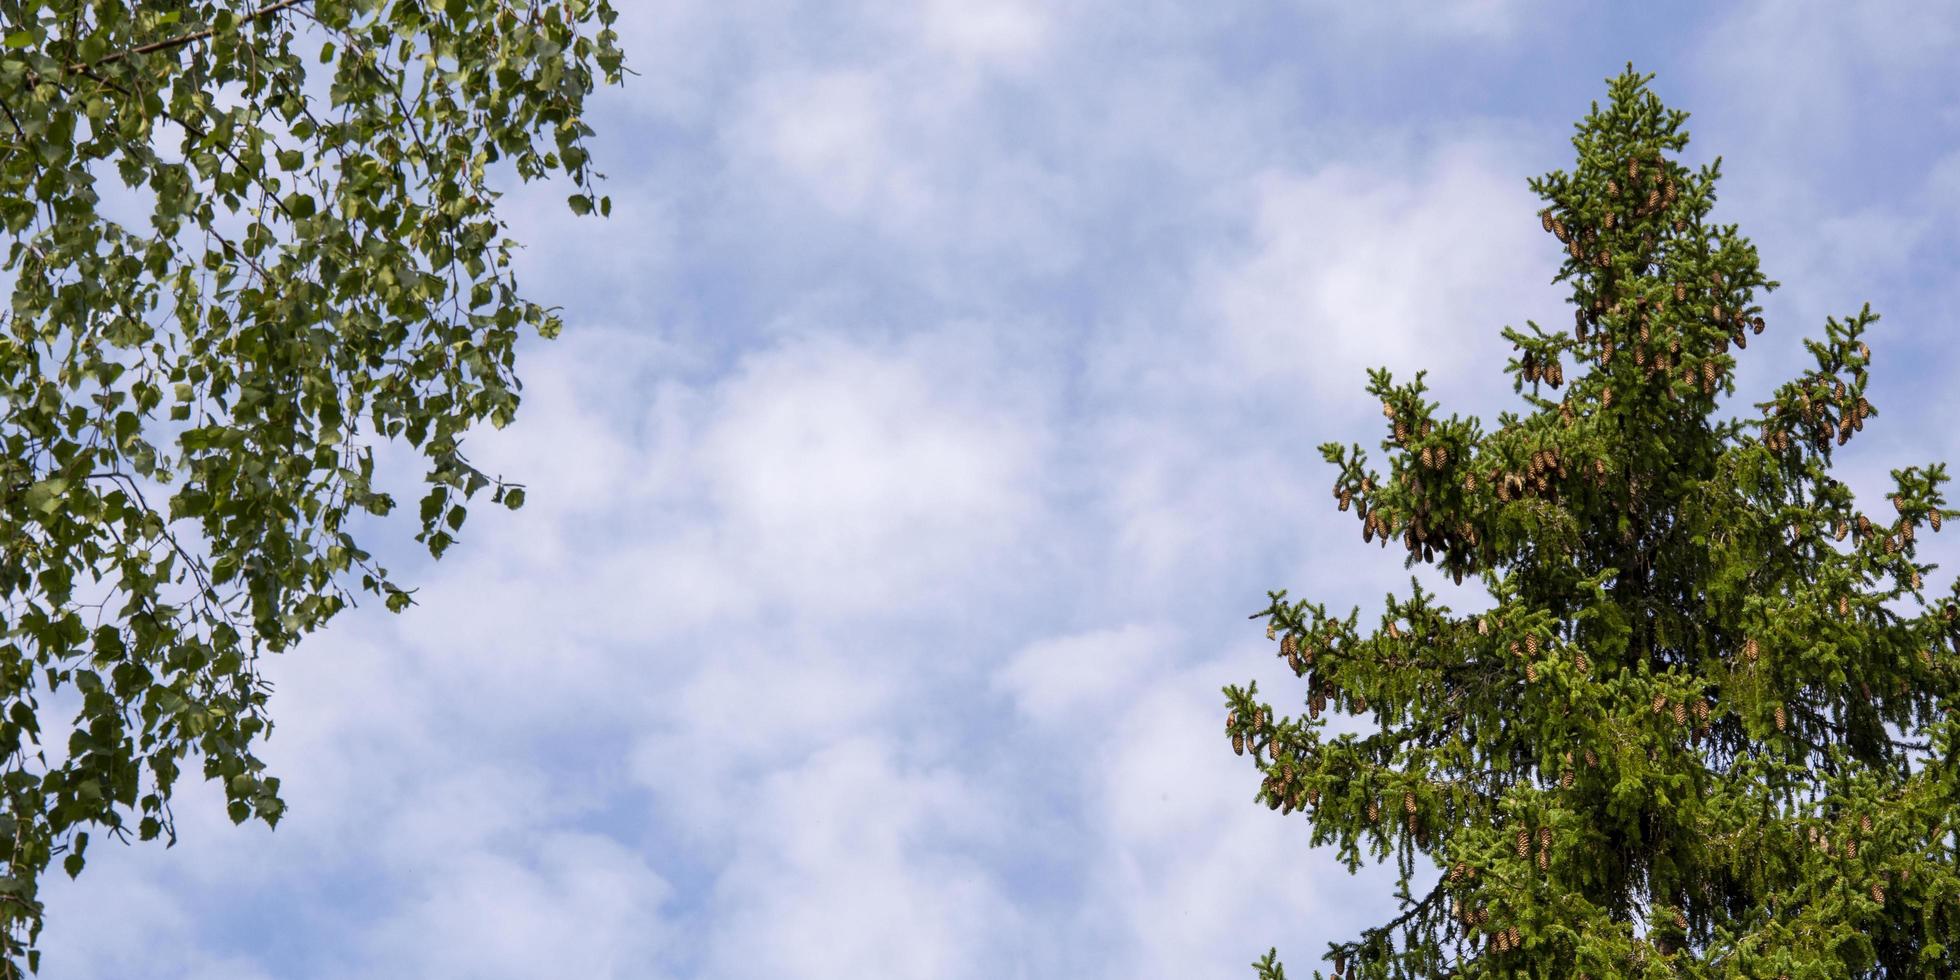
x,y
1781,719
1409,803
1524,842
1660,702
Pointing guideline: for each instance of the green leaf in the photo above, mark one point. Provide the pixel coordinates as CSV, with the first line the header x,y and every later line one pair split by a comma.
x,y
45,495
20,39
514,497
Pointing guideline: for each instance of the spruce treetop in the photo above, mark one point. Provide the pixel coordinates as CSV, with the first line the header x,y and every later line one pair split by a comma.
x,y
1692,736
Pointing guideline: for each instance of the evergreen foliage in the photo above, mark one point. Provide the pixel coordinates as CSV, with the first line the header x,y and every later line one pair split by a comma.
x,y
1695,735
316,266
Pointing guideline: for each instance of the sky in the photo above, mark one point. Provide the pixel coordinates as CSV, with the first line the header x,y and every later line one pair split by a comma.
x,y
939,401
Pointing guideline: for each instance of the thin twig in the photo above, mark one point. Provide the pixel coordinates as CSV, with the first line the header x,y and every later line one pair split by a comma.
x,y
182,39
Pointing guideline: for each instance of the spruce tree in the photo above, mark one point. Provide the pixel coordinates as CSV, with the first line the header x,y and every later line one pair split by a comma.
x,y
1706,728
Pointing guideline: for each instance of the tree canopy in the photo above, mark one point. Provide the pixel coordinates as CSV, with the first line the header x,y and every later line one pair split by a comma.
x,y
1707,726
246,242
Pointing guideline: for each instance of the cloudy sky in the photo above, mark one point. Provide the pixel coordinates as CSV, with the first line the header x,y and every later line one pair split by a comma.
x,y
938,402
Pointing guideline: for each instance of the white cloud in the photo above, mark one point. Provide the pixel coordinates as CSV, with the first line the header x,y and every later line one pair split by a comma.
x,y
1069,676
1791,66
1352,268
576,905
1485,20
855,866
830,134
855,478
1009,32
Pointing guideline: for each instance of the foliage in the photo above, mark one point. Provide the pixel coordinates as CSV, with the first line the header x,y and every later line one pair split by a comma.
x,y
1707,728
314,244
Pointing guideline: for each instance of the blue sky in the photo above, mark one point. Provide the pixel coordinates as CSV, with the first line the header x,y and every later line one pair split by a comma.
x,y
936,405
